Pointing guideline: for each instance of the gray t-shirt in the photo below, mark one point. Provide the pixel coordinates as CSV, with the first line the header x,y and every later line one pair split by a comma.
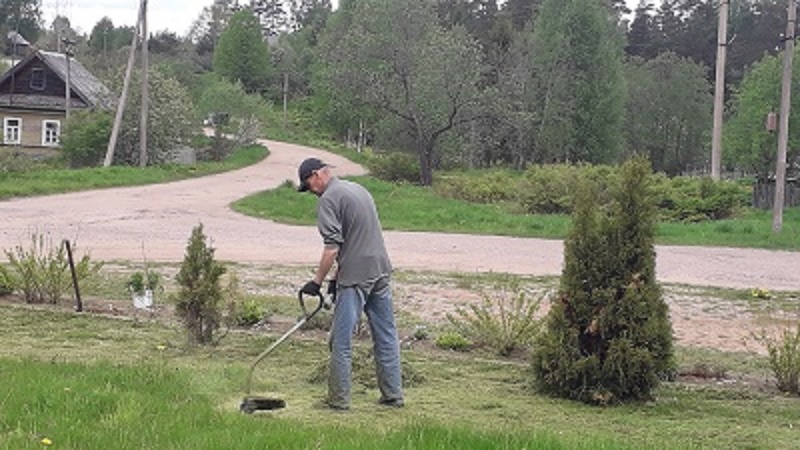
x,y
347,218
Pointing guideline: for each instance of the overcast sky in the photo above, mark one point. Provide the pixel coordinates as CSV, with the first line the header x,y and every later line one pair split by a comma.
x,y
173,15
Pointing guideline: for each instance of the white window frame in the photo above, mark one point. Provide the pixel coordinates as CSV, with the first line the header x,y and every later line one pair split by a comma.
x,y
9,131
47,140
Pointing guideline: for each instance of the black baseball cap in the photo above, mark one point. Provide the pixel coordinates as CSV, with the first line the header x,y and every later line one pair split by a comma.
x,y
307,167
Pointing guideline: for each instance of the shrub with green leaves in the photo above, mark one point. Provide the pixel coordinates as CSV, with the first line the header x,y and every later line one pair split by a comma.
x,y
85,138
608,337
453,340
504,322
687,199
394,166
784,359
478,187
6,283
198,299
41,272
548,189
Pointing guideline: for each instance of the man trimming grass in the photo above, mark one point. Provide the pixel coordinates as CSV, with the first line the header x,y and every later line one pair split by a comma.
x,y
351,231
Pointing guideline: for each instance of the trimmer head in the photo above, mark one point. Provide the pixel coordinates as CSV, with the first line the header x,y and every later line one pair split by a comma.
x,y
252,404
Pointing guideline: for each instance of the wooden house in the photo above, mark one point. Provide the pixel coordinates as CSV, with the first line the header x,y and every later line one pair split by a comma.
x,y
33,98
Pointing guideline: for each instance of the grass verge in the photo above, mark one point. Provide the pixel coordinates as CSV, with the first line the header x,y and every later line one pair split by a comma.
x,y
413,208
52,181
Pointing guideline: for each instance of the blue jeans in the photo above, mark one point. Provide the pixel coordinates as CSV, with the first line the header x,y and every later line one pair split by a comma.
x,y
377,304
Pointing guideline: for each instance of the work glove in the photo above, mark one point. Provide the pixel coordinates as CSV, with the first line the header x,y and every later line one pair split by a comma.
x,y
311,288
332,290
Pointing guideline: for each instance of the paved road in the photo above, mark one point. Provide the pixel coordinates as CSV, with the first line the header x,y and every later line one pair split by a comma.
x,y
156,221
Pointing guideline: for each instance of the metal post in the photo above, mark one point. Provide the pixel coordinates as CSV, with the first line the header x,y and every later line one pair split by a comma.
x,y
78,302
719,91
783,128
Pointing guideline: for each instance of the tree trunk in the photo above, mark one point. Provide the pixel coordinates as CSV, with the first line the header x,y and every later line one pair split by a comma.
x,y
425,152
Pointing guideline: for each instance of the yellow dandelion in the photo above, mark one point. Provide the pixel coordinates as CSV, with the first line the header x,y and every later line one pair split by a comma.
x,y
161,347
66,389
47,441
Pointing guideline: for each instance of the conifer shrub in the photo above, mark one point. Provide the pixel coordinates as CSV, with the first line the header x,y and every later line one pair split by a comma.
x,y
200,295
607,337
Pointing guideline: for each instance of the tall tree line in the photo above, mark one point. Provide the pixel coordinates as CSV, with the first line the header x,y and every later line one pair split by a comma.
x,y
475,83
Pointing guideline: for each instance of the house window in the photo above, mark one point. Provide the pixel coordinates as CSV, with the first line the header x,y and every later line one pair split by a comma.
x,y
51,132
37,79
12,130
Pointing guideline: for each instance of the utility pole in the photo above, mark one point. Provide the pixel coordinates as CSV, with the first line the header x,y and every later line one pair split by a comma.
x,y
719,90
145,112
68,43
112,142
783,126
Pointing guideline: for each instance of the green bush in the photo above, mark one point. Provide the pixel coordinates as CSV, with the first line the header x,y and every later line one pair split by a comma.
x,y
452,340
200,292
6,283
784,359
479,187
42,273
504,322
394,166
685,199
85,139
241,311
139,282
550,189
608,337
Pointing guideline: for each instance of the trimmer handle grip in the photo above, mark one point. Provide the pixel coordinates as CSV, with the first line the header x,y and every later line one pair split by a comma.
x,y
301,297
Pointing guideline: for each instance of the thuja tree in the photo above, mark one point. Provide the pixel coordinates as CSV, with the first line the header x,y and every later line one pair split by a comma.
x,y
608,338
200,294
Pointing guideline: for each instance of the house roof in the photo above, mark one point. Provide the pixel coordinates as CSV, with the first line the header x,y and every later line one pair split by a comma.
x,y
15,38
82,82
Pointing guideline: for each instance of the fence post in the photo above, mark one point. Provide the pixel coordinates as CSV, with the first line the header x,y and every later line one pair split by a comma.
x,y
78,302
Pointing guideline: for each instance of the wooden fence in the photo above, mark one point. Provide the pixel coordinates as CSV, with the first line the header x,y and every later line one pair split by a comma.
x,y
764,193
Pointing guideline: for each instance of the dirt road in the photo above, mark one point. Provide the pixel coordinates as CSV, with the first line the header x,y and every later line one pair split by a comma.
x,y
127,223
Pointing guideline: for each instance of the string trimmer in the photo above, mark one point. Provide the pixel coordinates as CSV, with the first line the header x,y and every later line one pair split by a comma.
x,y
252,403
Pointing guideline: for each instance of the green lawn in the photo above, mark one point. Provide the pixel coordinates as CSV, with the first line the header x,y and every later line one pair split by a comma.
x,y
91,382
413,208
53,181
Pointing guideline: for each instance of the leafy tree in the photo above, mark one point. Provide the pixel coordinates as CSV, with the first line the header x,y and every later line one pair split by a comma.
x,y
200,294
642,35
521,12
23,16
747,144
272,15
207,29
608,337
85,138
577,89
668,112
241,54
170,122
235,113
393,56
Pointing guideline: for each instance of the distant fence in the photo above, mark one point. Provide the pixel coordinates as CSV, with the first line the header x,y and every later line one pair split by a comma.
x,y
764,193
